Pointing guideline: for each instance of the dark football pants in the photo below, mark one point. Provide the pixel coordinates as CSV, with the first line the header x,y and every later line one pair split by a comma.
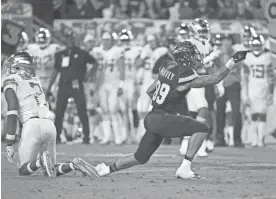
x,y
160,124
233,94
64,93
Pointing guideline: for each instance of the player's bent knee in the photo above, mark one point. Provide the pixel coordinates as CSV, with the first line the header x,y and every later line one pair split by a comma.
x,y
148,145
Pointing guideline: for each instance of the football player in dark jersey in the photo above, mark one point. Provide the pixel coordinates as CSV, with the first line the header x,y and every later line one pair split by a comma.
x,y
175,80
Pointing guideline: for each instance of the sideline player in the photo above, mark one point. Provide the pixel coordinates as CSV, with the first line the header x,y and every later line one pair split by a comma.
x,y
197,104
44,52
174,82
26,100
257,88
111,90
151,54
131,54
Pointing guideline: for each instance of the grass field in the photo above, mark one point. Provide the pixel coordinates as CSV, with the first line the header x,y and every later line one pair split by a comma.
x,y
229,173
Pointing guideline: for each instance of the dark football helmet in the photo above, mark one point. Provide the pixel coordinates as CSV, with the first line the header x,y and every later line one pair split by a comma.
x,y
187,54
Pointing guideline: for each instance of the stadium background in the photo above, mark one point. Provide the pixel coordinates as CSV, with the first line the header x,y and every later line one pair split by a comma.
x,y
231,173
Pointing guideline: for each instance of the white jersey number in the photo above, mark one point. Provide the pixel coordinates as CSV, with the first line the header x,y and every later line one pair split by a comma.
x,y
258,71
161,92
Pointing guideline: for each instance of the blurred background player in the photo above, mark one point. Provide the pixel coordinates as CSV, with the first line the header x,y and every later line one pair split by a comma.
x,y
131,54
44,51
26,100
23,42
197,104
182,33
150,54
247,34
111,90
257,88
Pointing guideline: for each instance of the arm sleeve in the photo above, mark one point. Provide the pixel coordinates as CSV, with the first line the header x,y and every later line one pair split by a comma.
x,y
160,62
187,75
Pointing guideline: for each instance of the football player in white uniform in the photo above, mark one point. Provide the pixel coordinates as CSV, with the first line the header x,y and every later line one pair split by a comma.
x,y
23,42
131,55
247,34
26,100
44,52
197,104
111,95
150,54
257,87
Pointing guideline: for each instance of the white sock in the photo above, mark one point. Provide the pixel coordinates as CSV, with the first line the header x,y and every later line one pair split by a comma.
x,y
186,164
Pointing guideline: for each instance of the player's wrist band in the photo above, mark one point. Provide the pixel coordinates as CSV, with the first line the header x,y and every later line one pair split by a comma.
x,y
10,137
230,64
12,112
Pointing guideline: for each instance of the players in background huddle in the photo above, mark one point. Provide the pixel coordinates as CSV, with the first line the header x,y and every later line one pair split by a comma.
x,y
26,100
150,54
44,52
200,36
111,92
130,57
258,92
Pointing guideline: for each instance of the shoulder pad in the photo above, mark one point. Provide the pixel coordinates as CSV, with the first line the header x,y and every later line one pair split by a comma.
x,y
11,81
187,74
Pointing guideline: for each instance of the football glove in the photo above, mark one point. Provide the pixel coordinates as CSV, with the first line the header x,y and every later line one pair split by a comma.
x,y
10,154
240,55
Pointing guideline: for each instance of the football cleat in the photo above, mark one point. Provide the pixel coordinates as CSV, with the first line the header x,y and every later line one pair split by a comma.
x,y
102,169
187,175
85,167
47,164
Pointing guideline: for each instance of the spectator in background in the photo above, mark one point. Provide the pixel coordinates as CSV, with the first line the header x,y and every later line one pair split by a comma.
x,y
227,9
203,10
232,93
185,11
83,9
157,9
243,11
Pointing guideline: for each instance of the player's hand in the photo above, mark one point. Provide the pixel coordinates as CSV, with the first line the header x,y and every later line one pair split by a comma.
x,y
10,154
120,92
240,56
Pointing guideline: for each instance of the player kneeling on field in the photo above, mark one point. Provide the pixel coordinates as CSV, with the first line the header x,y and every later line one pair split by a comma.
x,y
175,80
25,96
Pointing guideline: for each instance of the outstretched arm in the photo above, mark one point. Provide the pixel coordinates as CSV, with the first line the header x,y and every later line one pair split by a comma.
x,y
205,80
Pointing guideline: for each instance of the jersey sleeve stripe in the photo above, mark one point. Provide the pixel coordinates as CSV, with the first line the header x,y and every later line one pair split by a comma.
x,y
186,79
